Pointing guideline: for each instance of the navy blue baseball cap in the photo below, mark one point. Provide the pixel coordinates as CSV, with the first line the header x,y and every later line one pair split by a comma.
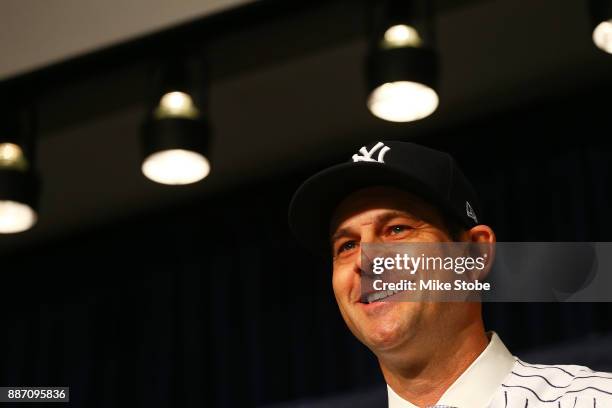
x,y
430,174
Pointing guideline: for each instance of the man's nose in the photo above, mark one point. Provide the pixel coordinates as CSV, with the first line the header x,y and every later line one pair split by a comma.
x,y
363,262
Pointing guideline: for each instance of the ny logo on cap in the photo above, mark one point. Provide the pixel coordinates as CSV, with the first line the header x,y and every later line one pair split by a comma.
x,y
470,212
367,156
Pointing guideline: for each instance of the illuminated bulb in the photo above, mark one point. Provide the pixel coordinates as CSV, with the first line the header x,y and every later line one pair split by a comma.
x,y
401,35
9,152
602,36
176,167
11,156
403,101
15,217
176,105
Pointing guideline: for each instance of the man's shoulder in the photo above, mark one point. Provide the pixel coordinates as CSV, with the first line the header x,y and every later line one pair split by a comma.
x,y
561,384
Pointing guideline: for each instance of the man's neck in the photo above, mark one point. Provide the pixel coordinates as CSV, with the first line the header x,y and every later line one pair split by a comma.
x,y
423,373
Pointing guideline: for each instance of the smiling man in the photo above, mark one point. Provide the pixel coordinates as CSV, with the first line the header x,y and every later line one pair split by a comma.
x,y
430,353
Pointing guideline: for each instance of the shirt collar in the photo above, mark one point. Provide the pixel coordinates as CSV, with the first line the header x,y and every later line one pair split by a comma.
x,y
477,384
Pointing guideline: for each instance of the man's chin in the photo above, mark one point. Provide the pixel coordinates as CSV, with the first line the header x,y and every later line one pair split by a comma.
x,y
384,331
382,340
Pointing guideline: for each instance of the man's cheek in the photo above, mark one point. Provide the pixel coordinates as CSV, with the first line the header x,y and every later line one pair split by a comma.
x,y
335,283
340,283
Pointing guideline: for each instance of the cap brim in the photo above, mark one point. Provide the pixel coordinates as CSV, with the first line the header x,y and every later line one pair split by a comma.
x,y
314,203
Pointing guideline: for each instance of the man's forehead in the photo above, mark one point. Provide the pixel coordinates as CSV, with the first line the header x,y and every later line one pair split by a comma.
x,y
370,202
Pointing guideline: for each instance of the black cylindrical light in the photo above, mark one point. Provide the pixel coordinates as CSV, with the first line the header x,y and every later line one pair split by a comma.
x,y
19,182
402,65
601,18
175,133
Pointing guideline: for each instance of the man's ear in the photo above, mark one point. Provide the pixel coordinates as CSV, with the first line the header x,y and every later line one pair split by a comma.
x,y
481,234
483,238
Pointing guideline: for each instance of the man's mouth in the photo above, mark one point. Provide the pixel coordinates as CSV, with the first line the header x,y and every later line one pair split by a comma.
x,y
377,296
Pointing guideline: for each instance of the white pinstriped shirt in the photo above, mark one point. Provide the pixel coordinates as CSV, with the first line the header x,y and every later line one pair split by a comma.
x,y
496,379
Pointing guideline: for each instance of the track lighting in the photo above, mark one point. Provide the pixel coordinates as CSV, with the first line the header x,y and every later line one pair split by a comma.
x,y
402,66
601,14
175,133
18,179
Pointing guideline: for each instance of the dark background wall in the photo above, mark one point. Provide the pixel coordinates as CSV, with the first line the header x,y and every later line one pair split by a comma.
x,y
212,303
138,295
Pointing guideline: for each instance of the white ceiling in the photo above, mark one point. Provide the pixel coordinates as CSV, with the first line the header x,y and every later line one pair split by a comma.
x,y
36,33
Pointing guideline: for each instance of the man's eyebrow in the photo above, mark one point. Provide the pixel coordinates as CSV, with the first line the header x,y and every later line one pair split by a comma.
x,y
389,215
341,233
379,219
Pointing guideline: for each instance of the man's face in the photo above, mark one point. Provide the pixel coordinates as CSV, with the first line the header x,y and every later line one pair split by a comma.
x,y
382,214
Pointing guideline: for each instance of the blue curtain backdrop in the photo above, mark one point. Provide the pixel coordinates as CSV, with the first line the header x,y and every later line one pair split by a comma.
x,y
212,303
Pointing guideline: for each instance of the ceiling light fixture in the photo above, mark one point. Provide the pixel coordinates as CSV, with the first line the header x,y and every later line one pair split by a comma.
x,y
402,65
19,186
175,134
601,18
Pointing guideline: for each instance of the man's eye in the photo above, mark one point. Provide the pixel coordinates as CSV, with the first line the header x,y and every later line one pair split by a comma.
x,y
398,229
347,246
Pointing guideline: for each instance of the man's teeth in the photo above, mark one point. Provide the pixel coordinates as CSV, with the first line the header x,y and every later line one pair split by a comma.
x,y
373,297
